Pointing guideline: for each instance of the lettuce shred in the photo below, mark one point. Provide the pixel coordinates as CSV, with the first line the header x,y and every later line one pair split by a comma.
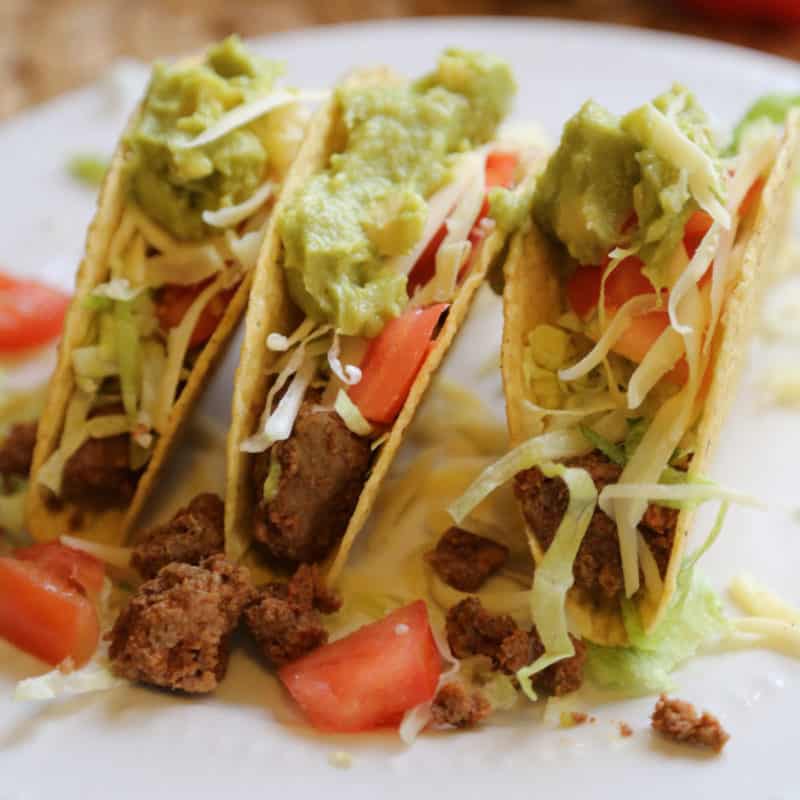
x,y
695,617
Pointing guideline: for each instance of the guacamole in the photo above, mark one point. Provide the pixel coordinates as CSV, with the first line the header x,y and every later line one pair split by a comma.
x,y
370,203
173,184
610,183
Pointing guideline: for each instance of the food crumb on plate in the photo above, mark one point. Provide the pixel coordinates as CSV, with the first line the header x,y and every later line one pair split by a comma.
x,y
677,720
569,719
625,730
340,759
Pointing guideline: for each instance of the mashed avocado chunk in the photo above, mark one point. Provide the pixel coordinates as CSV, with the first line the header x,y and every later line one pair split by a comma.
x,y
606,169
175,184
399,146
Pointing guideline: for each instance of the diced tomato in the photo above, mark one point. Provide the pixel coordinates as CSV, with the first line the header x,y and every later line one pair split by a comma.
x,y
501,168
626,281
500,171
697,226
425,268
31,314
583,290
752,196
392,361
370,678
174,301
44,615
68,564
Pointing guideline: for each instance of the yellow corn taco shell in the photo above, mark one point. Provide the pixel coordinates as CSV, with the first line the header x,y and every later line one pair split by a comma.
x,y
253,382
533,296
48,520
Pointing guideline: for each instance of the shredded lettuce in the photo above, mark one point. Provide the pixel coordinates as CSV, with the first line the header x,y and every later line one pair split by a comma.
x,y
553,577
695,616
96,676
769,110
351,415
613,452
553,446
273,479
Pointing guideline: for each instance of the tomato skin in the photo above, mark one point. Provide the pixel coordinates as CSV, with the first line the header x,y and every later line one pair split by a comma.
x,y
68,564
583,290
425,268
625,282
31,314
45,616
392,361
370,678
751,198
174,301
501,170
697,226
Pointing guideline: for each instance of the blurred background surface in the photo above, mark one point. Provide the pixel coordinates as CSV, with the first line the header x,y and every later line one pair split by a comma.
x,y
49,46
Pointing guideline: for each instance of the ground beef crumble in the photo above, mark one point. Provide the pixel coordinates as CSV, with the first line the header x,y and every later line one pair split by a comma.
x,y
323,466
456,707
678,720
285,619
471,630
16,451
192,535
598,566
175,630
465,560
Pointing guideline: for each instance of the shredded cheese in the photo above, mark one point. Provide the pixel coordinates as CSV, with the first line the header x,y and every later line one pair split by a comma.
x,y
233,215
178,343
636,306
247,112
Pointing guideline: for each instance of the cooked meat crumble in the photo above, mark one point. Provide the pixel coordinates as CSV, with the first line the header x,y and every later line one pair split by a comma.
x,y
598,566
175,630
471,630
285,620
16,451
678,720
192,535
465,560
323,466
456,707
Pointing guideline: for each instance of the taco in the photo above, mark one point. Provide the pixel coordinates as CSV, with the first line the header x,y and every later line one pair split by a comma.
x,y
382,237
168,266
629,295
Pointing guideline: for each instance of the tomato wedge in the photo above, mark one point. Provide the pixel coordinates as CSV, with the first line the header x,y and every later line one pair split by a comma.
x,y
501,167
68,564
44,615
392,361
370,678
31,314
583,290
174,301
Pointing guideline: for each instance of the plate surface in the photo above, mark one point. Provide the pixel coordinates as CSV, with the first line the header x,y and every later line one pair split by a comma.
x,y
134,742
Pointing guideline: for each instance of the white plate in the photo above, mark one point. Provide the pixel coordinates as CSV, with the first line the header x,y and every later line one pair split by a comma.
x,y
134,742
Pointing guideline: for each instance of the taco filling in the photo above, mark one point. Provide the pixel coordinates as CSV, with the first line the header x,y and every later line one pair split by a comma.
x,y
202,164
651,231
376,246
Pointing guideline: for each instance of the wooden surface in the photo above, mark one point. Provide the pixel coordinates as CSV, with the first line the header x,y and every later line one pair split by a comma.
x,y
48,46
